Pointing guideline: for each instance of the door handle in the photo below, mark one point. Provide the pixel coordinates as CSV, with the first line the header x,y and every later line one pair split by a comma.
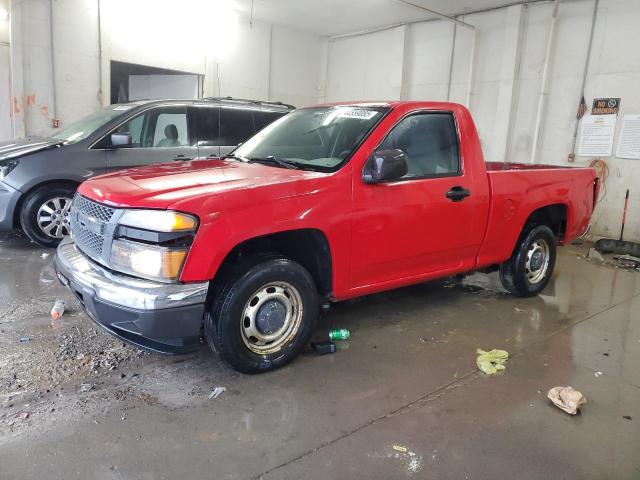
x,y
182,158
457,194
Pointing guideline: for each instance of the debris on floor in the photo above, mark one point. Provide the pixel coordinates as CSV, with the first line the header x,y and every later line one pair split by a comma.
x,y
323,348
594,254
628,261
493,361
339,334
45,255
24,339
86,387
400,448
217,392
567,399
58,309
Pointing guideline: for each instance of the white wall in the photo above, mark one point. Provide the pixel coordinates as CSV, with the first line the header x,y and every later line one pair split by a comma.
x,y
296,67
77,57
5,94
511,46
236,58
5,67
366,67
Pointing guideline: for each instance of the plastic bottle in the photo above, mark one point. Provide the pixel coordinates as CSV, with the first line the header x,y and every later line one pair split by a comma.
x,y
339,334
58,309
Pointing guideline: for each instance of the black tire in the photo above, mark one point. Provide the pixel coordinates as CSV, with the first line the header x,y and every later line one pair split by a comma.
x,y
226,323
31,206
516,274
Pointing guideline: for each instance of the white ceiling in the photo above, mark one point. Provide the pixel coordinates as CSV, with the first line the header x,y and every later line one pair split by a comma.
x,y
338,17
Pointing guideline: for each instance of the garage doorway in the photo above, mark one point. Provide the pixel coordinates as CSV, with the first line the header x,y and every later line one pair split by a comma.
x,y
131,82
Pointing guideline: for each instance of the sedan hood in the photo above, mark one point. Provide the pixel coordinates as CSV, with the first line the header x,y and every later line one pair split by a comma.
x,y
19,148
171,185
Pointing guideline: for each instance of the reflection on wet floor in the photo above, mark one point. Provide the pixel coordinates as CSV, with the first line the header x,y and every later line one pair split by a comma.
x,y
401,398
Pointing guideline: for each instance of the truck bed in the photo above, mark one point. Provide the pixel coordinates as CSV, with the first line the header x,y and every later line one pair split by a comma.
x,y
517,189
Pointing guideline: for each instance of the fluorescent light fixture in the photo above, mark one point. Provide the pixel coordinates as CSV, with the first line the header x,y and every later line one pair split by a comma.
x,y
4,14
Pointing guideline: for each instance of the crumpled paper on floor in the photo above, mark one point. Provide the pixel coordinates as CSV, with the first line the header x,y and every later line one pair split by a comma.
x,y
493,361
567,399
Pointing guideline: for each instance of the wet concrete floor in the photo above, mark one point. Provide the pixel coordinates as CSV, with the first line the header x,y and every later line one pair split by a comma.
x,y
402,399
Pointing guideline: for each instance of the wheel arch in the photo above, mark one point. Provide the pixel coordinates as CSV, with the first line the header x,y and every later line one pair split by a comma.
x,y
16,212
309,247
555,216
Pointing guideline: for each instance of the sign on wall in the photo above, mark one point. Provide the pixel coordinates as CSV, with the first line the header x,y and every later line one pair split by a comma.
x,y
596,135
606,106
629,141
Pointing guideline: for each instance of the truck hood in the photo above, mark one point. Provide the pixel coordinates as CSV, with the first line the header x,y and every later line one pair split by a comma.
x,y
171,184
19,148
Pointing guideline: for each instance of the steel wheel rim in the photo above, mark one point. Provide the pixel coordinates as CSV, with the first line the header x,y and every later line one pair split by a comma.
x,y
537,263
53,217
279,297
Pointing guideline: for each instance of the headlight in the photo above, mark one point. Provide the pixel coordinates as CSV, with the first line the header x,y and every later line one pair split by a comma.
x,y
148,261
158,220
6,166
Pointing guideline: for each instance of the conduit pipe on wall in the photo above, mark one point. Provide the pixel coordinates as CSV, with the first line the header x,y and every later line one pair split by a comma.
x,y
594,18
545,83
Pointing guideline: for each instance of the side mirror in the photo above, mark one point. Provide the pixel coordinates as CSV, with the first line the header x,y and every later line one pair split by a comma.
x,y
121,140
385,166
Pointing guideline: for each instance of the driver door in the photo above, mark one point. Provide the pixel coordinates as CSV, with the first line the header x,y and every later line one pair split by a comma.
x,y
410,227
158,135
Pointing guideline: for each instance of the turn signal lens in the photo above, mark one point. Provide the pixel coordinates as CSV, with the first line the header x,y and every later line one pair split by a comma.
x,y
159,220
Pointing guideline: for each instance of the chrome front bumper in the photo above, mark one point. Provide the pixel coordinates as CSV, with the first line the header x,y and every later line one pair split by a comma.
x,y
123,290
162,317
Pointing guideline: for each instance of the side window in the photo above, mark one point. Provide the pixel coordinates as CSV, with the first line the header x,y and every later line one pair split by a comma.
x,y
134,127
207,126
430,142
262,119
236,125
158,127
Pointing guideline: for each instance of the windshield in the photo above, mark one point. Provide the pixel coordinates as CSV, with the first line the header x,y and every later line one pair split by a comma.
x,y
81,129
319,138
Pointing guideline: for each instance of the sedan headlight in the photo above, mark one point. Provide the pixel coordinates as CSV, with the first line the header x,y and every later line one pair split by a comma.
x,y
148,261
159,220
6,166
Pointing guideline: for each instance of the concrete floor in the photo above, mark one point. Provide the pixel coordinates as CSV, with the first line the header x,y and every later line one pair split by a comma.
x,y
401,399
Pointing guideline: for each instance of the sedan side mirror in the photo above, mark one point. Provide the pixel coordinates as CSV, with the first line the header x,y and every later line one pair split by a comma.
x,y
121,140
385,166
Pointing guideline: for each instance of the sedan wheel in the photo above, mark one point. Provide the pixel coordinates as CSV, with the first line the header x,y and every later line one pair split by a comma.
x,y
53,217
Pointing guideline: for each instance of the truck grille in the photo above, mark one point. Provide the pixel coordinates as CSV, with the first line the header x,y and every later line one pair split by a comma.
x,y
90,222
93,209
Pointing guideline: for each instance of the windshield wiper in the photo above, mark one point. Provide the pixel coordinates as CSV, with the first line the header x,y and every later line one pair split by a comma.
x,y
275,160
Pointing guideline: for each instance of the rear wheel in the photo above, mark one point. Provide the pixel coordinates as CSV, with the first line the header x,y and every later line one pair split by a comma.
x,y
44,216
530,267
263,315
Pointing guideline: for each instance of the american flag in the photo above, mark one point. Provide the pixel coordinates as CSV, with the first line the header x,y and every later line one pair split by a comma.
x,y
582,109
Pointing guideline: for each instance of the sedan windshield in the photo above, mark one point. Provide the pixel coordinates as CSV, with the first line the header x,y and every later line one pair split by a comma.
x,y
84,127
319,138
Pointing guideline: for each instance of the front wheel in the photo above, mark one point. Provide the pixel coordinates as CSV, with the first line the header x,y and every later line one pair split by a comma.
x,y
44,216
531,265
264,314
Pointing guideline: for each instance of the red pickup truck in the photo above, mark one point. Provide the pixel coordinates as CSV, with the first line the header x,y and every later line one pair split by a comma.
x,y
327,203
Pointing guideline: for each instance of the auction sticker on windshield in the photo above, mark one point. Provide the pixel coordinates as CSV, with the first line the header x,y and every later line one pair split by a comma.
x,y
360,113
